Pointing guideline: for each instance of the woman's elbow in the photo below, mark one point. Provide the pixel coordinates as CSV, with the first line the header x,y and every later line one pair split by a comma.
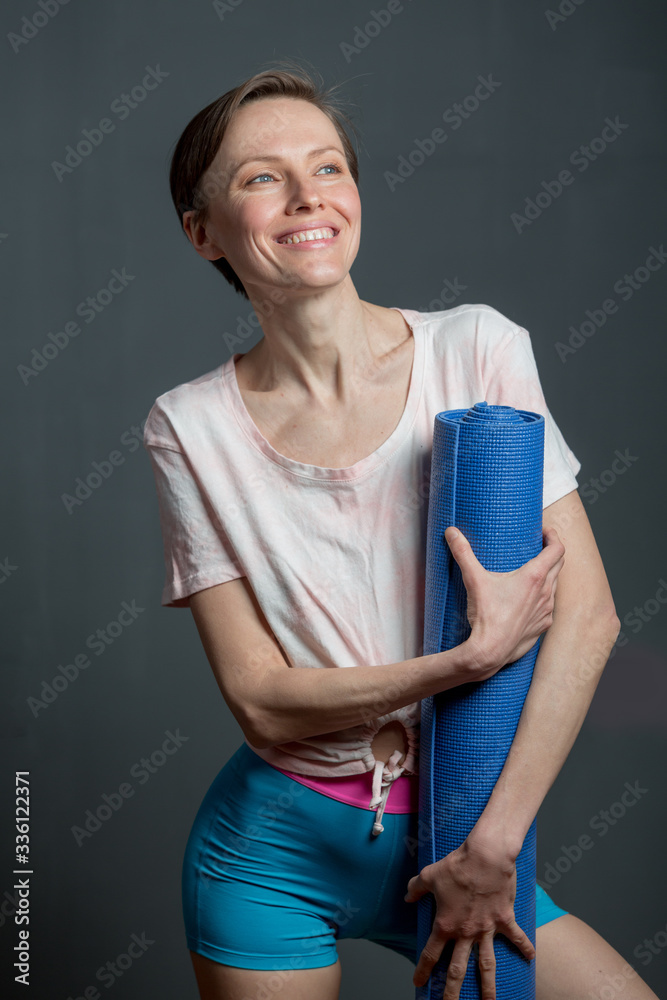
x,y
604,636
258,739
605,620
599,631
595,628
614,625
256,730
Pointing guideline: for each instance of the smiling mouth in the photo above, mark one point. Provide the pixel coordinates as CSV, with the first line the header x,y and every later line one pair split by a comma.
x,y
323,235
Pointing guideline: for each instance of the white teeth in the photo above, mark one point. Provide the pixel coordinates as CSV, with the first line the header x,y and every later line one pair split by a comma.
x,y
308,234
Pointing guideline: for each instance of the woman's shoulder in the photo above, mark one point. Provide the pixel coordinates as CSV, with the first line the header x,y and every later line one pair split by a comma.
x,y
177,406
465,317
478,327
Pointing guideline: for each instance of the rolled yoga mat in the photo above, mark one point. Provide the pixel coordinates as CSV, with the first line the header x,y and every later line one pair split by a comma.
x,y
486,479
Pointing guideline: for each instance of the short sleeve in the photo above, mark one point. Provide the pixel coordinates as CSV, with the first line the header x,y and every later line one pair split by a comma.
x,y
514,381
197,552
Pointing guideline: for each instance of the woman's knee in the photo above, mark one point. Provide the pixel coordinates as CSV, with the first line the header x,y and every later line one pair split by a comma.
x,y
226,982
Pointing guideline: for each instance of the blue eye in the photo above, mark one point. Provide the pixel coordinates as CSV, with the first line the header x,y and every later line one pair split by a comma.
x,y
327,166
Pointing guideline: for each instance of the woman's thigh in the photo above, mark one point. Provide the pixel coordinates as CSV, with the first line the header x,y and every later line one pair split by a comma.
x,y
573,962
224,982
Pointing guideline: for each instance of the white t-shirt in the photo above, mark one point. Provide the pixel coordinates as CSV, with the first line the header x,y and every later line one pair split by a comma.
x,y
335,557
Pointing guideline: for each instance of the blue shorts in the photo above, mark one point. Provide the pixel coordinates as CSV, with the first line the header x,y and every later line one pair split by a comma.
x,y
274,873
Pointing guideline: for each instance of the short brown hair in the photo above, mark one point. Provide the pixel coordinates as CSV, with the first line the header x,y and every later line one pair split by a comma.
x,y
200,140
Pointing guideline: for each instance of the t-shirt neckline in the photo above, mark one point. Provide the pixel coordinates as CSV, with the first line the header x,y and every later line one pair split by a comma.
x,y
364,465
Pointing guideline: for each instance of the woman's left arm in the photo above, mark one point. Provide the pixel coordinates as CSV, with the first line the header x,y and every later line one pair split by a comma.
x,y
572,656
475,885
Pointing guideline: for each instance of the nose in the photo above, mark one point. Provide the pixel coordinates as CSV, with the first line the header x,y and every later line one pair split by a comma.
x,y
303,191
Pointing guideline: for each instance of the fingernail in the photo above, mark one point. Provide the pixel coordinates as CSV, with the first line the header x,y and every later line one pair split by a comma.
x,y
453,533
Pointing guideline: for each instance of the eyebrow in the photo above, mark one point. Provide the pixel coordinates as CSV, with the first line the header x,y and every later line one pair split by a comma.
x,y
272,159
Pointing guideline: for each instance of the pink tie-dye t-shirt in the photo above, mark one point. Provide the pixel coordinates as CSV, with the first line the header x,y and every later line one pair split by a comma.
x,y
335,557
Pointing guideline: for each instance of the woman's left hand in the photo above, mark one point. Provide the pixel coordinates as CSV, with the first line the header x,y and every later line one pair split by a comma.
x,y
474,888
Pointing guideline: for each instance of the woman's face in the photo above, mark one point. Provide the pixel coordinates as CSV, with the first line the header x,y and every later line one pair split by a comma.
x,y
281,169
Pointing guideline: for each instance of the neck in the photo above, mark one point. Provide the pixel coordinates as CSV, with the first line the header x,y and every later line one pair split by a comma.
x,y
317,344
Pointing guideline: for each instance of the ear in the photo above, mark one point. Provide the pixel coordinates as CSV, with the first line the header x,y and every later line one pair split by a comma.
x,y
198,235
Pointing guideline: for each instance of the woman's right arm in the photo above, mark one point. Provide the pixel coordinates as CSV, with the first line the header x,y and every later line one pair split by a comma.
x,y
274,703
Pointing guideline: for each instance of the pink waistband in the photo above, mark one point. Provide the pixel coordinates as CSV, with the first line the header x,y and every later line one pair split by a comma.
x,y
357,790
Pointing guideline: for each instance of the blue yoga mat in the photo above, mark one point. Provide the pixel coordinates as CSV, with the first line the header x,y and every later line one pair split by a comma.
x,y
486,479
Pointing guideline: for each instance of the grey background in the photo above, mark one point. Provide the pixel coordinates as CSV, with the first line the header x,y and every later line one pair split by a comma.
x,y
67,573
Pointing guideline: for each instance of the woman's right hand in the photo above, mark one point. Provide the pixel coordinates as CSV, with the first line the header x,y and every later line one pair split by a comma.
x,y
507,612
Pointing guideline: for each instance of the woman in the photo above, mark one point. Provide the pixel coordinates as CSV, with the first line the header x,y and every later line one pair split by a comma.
x,y
292,482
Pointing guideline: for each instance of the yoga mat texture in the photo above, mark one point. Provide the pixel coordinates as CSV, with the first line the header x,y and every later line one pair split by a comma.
x,y
486,479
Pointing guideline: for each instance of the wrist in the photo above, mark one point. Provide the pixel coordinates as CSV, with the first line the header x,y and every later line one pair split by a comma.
x,y
476,658
499,843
